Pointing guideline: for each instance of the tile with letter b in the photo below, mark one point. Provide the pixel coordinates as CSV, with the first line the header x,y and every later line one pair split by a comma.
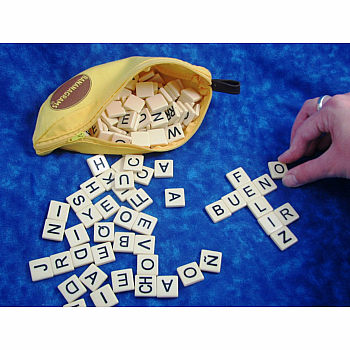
x,y
218,211
124,242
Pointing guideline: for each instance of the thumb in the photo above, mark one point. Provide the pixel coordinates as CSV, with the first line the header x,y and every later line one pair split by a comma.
x,y
309,171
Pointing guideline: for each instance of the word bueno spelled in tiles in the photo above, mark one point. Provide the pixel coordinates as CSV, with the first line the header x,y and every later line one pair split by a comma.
x,y
148,112
251,193
94,207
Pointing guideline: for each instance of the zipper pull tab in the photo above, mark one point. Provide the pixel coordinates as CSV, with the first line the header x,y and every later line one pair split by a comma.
x,y
228,86
77,137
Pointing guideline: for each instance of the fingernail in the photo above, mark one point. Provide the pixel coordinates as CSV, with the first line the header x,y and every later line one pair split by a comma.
x,y
290,181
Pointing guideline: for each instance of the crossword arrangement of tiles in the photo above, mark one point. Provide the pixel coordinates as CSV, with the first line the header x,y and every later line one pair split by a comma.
x,y
252,194
148,112
138,240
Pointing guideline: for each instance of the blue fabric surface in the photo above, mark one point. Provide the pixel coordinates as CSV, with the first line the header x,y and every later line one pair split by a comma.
x,y
247,130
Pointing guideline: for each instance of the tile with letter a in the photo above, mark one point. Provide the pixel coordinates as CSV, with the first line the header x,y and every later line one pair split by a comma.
x,y
167,286
174,197
277,169
122,280
190,274
93,277
210,261
71,288
218,211
104,297
265,184
40,269
98,164
145,286
284,238
163,168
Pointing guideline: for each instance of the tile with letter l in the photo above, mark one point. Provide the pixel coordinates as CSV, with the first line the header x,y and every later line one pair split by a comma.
x,y
259,206
139,200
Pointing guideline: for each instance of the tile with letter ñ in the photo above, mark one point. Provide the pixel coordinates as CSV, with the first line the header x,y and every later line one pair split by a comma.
x,y
210,261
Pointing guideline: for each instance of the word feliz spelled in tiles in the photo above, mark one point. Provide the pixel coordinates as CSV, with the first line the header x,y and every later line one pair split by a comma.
x,y
148,112
252,194
120,178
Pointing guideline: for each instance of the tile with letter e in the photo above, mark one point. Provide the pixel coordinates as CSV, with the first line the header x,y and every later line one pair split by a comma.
x,y
81,255
284,238
103,253
163,168
167,286
93,277
144,224
287,214
265,184
145,285
122,280
218,211
237,177
104,297
107,206
248,191
190,274
40,269
210,261
71,288
277,169
174,197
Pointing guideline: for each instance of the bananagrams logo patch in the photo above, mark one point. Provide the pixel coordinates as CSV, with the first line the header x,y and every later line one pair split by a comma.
x,y
71,92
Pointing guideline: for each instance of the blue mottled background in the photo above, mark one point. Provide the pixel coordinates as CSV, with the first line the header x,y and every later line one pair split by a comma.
x,y
247,130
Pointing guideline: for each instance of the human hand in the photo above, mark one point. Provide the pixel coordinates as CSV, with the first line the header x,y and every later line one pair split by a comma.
x,y
327,130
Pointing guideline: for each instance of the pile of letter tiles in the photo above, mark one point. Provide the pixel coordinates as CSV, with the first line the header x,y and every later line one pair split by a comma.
x,y
148,112
139,240
252,193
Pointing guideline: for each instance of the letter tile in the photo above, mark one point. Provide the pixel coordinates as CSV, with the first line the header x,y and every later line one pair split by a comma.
x,y
147,264
234,201
58,211
104,232
144,224
89,215
118,166
124,180
76,303
93,188
71,288
145,119
270,223
107,206
115,109
119,138
145,286
125,217
248,191
265,184
159,120
144,176
124,194
210,261
53,230
259,206
144,245
78,200
107,179
103,253
61,263
139,200
157,137
190,274
104,297
124,242
134,103
163,168
77,235
93,277
122,280
174,132
40,269
98,164
218,211
287,214
156,103
133,162
238,177
284,238
81,255
174,197
167,287
140,138
144,89
277,169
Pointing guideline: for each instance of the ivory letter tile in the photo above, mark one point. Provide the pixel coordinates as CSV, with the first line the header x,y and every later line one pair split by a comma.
x,y
58,211
104,232
122,280
144,176
93,188
210,261
71,288
237,177
287,214
98,164
77,235
93,277
167,286
234,201
190,274
145,286
248,191
125,217
78,200
259,206
218,211
124,242
81,255
265,184
139,200
40,269
53,230
89,215
277,169
103,253
174,197
104,297
133,162
284,238
270,223
61,263
147,264
144,224
107,206
144,244
163,168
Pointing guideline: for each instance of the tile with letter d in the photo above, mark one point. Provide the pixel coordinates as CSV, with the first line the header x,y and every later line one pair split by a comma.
x,y
71,288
